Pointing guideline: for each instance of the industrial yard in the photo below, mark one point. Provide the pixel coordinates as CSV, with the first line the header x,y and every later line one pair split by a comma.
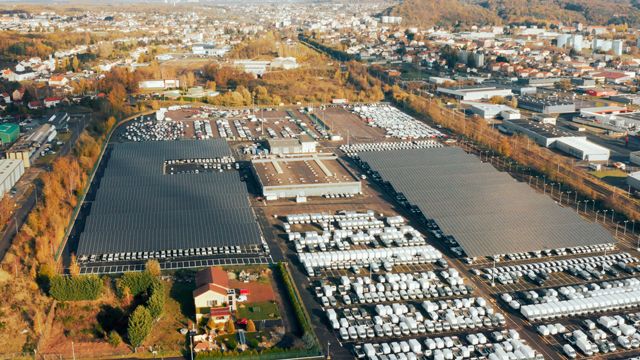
x,y
402,246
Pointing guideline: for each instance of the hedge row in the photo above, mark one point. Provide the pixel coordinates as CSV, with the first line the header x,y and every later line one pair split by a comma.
x,y
298,307
266,354
75,288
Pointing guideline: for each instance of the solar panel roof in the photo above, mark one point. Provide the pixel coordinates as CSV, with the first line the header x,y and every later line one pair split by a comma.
x,y
138,208
486,211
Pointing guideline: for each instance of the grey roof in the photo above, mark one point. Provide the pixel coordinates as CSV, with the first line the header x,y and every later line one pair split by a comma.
x,y
486,211
138,208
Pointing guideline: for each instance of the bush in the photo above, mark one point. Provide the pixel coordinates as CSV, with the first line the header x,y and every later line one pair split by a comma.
x,y
231,342
66,288
140,323
137,282
114,338
253,343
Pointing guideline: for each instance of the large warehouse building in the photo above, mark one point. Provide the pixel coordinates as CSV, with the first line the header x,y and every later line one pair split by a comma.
x,y
546,105
303,175
550,136
474,92
10,173
139,208
486,211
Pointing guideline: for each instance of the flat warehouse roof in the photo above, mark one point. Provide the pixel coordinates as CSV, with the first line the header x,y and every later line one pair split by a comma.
x,y
487,211
301,170
138,208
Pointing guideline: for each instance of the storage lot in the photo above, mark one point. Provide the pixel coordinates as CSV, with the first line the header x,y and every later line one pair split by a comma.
x,y
367,300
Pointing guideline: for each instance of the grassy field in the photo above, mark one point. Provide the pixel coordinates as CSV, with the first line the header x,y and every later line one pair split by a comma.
x,y
615,177
178,311
259,311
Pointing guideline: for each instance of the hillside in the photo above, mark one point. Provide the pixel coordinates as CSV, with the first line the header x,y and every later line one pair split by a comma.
x,y
439,12
442,12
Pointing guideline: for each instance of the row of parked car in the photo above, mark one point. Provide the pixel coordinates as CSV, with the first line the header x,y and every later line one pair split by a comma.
x,y
151,130
389,287
395,123
538,272
577,250
353,149
405,319
163,254
496,345
602,335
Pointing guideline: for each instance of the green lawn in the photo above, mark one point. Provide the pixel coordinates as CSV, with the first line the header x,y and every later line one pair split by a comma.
x,y
609,173
258,311
615,177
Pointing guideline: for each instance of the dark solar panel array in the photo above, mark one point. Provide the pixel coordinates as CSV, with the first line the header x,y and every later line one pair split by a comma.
x,y
486,211
137,208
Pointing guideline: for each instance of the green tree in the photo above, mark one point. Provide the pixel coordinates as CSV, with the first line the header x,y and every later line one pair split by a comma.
x,y
156,300
114,338
139,327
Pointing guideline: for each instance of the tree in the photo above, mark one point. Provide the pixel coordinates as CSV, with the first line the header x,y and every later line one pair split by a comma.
x,y
230,327
114,338
251,326
211,324
75,64
156,299
139,326
117,97
153,267
74,268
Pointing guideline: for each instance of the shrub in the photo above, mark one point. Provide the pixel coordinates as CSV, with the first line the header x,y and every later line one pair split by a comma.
x,y
65,288
114,338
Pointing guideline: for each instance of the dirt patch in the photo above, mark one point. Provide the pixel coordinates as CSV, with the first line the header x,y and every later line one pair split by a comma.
x,y
258,292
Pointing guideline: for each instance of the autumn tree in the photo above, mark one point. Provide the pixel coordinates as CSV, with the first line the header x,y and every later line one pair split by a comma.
x,y
74,268
153,267
251,326
230,327
117,97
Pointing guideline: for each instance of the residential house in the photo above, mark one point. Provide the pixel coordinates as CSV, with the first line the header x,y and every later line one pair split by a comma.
x,y
18,94
213,293
58,81
34,105
52,101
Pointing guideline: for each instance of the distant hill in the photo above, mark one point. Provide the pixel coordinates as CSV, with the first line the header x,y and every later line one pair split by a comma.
x,y
443,12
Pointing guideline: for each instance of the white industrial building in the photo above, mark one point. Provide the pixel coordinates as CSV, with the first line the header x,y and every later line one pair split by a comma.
x,y
304,175
582,148
159,84
633,180
491,111
474,93
634,157
303,144
550,136
10,173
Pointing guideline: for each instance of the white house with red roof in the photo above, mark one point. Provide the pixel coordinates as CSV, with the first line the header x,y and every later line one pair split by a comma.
x,y
52,101
58,81
213,296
